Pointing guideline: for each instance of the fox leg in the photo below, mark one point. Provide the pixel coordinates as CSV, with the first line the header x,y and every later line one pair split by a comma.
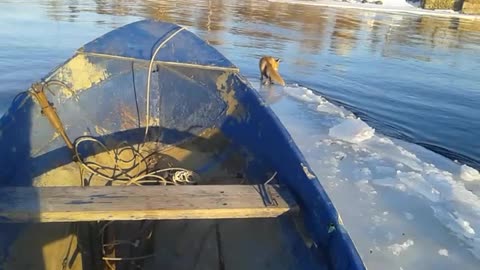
x,y
264,79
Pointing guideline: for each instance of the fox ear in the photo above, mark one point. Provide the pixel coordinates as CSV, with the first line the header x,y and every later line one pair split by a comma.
x,y
278,60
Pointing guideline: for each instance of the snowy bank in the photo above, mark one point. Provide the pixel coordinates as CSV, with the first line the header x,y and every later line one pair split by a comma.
x,y
391,6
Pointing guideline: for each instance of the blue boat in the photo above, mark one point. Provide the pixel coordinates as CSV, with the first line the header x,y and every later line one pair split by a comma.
x,y
147,149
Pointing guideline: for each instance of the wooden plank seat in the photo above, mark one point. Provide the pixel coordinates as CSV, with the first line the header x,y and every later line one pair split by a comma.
x,y
75,204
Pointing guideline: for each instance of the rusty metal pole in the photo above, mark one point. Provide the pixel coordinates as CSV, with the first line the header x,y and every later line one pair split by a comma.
x,y
49,111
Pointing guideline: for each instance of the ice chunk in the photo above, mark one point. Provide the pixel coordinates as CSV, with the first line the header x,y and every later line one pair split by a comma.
x,y
443,252
396,249
352,130
468,173
409,216
305,94
466,226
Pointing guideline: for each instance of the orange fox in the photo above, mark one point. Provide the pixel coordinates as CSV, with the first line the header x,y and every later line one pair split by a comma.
x,y
269,69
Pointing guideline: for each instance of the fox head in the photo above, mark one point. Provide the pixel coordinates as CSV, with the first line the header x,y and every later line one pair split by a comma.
x,y
276,63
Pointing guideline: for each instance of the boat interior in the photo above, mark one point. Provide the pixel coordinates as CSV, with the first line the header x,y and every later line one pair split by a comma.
x,y
188,185
234,242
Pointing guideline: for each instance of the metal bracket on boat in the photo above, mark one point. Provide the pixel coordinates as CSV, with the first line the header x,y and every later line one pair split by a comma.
x,y
267,197
49,111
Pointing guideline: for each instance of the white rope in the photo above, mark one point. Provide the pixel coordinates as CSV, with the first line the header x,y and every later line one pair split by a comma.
x,y
178,175
173,176
149,77
182,176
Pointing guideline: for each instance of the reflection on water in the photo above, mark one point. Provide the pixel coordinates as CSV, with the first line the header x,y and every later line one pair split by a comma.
x,y
311,24
409,76
344,35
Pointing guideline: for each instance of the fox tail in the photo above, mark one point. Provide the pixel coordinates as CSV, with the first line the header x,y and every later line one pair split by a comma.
x,y
275,77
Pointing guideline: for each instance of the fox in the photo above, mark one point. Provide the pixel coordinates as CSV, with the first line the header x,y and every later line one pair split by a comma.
x,y
269,69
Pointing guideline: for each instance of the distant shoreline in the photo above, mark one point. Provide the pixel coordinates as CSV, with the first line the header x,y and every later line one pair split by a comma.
x,y
380,8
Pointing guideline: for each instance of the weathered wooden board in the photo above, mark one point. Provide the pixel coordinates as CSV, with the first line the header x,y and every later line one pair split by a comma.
x,y
67,204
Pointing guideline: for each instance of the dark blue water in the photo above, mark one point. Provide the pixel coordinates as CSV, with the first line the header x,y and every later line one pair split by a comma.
x,y
409,76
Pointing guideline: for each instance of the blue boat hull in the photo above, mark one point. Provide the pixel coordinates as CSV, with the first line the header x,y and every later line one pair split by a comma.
x,y
202,115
